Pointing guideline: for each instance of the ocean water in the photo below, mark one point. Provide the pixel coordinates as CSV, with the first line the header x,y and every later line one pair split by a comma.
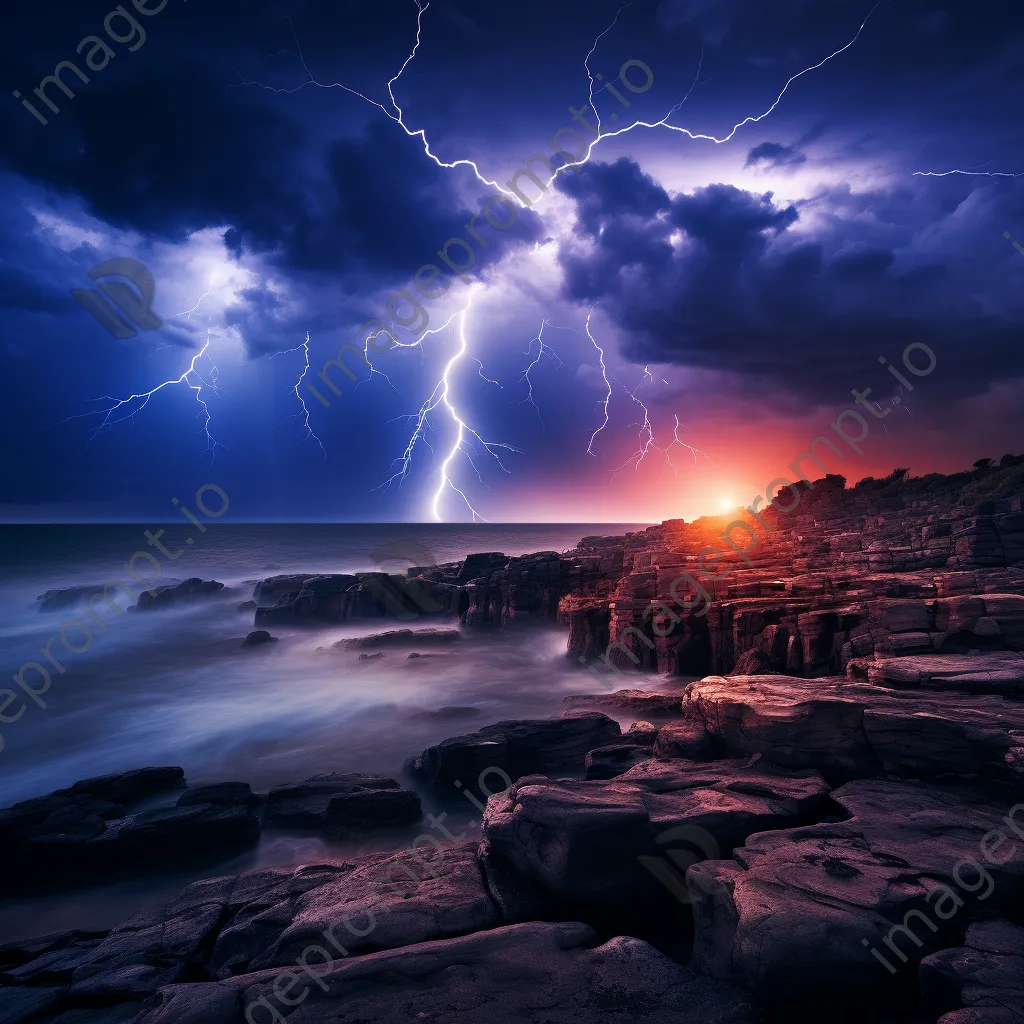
x,y
174,687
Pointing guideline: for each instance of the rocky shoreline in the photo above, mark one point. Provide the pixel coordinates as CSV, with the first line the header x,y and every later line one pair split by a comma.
x,y
828,822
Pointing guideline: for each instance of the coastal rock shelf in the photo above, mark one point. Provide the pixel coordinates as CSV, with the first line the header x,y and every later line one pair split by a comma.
x,y
824,820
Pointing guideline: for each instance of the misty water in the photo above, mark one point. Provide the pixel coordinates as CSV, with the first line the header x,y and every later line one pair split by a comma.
x,y
174,687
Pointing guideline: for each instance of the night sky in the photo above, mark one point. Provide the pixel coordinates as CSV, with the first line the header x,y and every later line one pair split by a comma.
x,y
254,158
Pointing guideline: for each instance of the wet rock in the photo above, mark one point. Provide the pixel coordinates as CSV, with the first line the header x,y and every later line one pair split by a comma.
x,y
83,833
247,606
339,804
636,702
608,842
382,902
258,637
182,593
607,762
402,638
226,793
516,748
800,914
850,730
557,973
985,975
20,1004
371,657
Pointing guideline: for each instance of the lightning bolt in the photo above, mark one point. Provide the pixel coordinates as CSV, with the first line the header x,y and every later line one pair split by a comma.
x,y
128,408
467,440
543,350
647,434
972,174
441,395
607,383
301,398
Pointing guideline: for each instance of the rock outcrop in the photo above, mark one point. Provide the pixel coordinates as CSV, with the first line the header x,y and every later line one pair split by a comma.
x,y
339,805
515,749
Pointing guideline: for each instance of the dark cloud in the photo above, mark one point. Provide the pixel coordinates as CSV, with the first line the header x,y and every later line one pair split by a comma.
x,y
764,290
775,155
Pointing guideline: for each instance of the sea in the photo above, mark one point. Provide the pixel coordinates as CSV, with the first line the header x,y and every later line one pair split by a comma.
x,y
174,686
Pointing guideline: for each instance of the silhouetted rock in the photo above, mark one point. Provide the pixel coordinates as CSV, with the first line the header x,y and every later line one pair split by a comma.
x,y
402,638
86,832
182,593
516,748
607,762
258,637
339,804
239,793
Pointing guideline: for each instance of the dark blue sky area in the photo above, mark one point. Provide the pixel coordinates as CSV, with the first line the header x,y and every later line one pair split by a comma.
x,y
661,330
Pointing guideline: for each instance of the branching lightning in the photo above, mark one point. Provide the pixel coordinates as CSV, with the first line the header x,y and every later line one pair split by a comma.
x,y
298,394
128,408
542,351
647,434
467,440
970,174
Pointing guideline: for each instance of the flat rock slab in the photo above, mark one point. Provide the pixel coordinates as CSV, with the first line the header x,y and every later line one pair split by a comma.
x,y
534,973
844,911
852,730
1000,672
608,842
633,702
402,638
516,748
381,901
339,804
983,976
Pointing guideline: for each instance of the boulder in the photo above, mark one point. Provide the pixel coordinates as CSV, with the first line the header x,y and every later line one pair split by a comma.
x,y
688,740
516,748
843,911
985,975
340,804
610,842
258,637
642,732
849,730
181,593
532,973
